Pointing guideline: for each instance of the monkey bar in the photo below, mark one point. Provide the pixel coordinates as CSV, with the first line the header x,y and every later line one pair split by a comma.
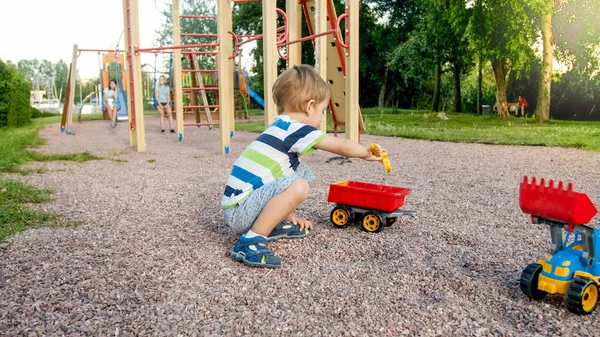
x,y
198,45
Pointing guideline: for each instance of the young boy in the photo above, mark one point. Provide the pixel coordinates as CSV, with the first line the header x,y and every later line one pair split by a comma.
x,y
268,182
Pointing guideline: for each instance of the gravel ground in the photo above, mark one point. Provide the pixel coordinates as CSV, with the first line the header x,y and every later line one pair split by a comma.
x,y
151,254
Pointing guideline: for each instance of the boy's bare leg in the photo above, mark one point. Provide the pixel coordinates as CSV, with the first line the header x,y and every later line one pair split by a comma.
x,y
280,207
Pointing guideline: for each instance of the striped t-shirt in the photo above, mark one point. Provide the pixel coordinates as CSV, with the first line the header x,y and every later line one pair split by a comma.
x,y
273,155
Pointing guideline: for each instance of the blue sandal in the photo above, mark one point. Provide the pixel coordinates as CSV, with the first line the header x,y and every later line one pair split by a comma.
x,y
255,252
287,230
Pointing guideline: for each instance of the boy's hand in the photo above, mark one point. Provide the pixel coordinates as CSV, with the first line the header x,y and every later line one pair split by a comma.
x,y
372,156
303,223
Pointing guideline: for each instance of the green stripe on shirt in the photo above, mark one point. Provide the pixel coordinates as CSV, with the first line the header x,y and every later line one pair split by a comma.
x,y
264,161
311,147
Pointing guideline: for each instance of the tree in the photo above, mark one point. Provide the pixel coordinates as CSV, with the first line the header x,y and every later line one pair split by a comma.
x,y
503,33
61,74
542,112
577,26
14,96
194,26
437,44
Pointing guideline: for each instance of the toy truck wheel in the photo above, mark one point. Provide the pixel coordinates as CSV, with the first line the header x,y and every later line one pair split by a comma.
x,y
373,222
390,221
342,216
529,281
582,296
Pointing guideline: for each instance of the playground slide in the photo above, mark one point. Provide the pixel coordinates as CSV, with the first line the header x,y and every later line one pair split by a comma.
x,y
256,97
122,114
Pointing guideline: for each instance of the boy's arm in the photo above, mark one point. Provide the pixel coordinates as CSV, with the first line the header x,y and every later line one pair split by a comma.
x,y
346,148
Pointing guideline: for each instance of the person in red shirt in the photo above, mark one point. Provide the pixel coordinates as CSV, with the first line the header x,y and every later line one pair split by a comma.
x,y
521,105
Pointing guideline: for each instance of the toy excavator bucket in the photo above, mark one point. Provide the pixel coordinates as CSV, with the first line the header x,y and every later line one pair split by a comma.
x,y
554,202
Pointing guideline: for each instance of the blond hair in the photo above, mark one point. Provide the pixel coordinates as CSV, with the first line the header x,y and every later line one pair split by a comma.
x,y
296,86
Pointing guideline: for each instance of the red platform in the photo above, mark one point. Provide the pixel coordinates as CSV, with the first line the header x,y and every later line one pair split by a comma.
x,y
555,202
365,195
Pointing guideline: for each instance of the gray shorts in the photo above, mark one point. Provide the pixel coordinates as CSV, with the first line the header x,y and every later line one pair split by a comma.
x,y
241,217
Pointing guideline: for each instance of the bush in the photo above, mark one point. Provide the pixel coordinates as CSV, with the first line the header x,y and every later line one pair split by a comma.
x,y
35,113
14,97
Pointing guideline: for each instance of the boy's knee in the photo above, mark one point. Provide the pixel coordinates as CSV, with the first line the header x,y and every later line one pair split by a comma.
x,y
299,188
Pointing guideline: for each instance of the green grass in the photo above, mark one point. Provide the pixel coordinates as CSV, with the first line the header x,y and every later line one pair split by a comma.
x,y
15,150
16,145
15,216
469,128
79,157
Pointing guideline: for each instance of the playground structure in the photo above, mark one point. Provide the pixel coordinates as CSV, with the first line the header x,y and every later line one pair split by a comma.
x,y
114,61
336,60
107,62
36,98
573,269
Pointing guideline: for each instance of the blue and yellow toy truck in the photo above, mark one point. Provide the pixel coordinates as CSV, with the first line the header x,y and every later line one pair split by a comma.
x,y
573,269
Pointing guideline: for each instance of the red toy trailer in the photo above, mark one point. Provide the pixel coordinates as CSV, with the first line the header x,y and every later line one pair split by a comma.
x,y
377,205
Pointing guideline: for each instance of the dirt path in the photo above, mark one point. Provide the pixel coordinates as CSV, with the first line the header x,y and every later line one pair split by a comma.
x,y
151,257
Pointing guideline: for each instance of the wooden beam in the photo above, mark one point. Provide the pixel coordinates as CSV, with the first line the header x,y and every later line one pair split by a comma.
x,y
321,48
71,88
135,90
269,57
352,64
63,121
130,105
294,13
178,94
226,71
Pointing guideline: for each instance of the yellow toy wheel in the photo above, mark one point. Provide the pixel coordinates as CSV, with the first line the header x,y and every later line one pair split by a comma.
x,y
342,216
373,222
582,296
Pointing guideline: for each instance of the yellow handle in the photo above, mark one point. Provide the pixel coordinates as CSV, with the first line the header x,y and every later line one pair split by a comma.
x,y
384,157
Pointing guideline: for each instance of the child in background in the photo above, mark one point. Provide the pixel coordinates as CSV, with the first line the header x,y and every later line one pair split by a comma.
x,y
268,181
163,95
110,99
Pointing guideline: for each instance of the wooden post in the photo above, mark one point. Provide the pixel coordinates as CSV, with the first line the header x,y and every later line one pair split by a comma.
x,y
352,64
71,89
321,49
134,66
130,105
226,70
294,13
63,122
178,99
270,57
